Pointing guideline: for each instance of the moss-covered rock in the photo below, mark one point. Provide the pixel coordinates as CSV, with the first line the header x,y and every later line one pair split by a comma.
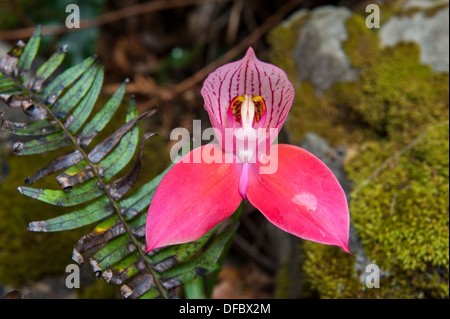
x,y
401,215
402,219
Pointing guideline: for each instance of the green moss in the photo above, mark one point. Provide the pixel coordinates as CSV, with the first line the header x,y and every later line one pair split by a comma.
x,y
329,271
99,290
27,256
395,95
408,203
402,218
401,215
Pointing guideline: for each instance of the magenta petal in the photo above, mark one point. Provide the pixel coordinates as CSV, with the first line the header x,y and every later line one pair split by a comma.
x,y
302,197
192,198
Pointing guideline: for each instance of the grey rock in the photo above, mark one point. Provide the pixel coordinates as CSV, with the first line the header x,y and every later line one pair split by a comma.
x,y
318,53
423,4
430,33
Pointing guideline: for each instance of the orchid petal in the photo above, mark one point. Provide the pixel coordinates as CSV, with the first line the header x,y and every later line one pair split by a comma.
x,y
193,197
247,76
302,197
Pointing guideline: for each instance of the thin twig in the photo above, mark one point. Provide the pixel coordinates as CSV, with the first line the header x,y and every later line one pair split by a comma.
x,y
200,75
233,21
392,159
106,18
237,49
393,202
253,252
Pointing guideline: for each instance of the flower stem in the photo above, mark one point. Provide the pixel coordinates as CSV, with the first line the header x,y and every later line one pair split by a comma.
x,y
195,289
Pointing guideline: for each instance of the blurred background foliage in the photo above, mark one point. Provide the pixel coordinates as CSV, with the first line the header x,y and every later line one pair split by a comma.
x,y
17,14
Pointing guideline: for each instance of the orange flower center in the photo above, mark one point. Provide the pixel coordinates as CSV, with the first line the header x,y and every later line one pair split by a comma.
x,y
248,110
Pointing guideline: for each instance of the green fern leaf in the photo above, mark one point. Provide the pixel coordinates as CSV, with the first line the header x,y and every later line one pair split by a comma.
x,y
36,128
29,53
47,68
53,89
58,109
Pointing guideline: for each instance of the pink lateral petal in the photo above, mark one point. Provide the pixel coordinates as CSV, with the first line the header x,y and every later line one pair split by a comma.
x,y
192,198
302,197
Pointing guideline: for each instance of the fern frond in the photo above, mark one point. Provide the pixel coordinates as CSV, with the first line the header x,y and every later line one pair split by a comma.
x,y
58,109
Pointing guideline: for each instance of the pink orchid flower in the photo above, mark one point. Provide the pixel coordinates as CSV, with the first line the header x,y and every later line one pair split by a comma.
x,y
247,101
